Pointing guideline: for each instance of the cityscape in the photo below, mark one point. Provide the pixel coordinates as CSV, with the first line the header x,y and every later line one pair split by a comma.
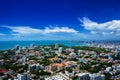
x,y
59,40
96,61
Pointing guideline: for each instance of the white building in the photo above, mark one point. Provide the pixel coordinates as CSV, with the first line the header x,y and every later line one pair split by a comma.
x,y
97,77
1,62
118,68
83,60
56,46
23,77
60,50
72,55
20,77
108,69
118,51
23,59
83,76
31,67
110,56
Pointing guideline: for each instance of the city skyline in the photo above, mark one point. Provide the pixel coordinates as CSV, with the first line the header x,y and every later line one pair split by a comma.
x,y
60,20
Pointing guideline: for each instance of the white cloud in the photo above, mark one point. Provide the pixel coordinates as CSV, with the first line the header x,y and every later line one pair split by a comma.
x,y
111,29
59,29
27,30
93,32
106,28
48,33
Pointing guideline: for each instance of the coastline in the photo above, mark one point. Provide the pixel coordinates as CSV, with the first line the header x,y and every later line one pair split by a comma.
x,y
5,45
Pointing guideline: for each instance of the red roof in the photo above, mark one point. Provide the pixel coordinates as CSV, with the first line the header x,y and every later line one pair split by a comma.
x,y
3,70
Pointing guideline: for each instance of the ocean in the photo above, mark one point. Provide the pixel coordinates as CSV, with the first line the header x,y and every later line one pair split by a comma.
x,y
4,45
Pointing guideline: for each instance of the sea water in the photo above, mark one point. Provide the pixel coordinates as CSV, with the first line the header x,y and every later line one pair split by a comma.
x,y
4,45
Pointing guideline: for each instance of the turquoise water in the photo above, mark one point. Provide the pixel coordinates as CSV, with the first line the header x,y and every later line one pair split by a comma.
x,y
4,45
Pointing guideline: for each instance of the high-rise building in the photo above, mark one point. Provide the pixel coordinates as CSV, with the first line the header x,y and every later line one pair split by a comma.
x,y
56,46
118,51
32,45
23,76
27,76
60,50
31,67
110,56
37,67
20,77
118,68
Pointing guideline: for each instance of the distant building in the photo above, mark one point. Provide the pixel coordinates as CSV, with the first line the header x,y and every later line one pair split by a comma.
x,y
87,76
20,77
38,67
108,69
32,45
83,60
17,52
94,56
118,68
32,54
103,56
110,56
83,76
56,46
23,77
97,77
72,55
27,76
17,47
23,59
60,50
1,62
118,51
31,67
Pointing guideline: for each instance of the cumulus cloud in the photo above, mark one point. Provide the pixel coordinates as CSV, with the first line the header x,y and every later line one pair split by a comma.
x,y
48,33
93,30
106,28
27,30
59,29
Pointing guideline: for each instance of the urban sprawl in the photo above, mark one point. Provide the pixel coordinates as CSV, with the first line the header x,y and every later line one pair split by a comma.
x,y
96,61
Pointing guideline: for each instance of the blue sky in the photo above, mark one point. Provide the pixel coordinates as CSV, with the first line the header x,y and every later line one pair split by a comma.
x,y
59,19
